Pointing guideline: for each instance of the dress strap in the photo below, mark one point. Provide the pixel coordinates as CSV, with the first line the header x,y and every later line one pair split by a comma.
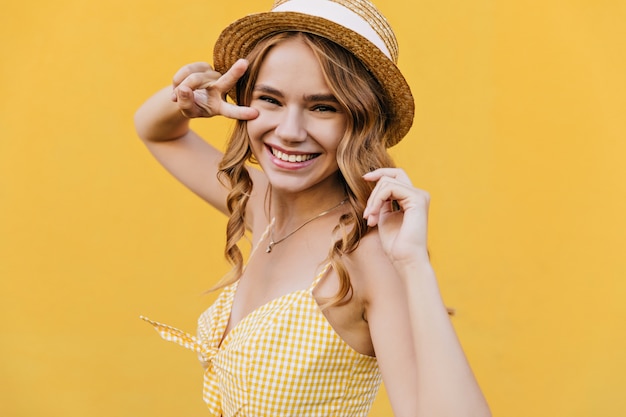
x,y
319,276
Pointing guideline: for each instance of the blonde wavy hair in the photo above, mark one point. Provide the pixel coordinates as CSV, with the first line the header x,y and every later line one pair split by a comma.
x,y
361,150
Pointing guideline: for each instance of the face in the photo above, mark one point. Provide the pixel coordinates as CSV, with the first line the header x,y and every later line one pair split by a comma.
x,y
300,123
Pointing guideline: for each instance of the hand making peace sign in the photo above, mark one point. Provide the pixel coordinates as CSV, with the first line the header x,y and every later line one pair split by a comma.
x,y
200,91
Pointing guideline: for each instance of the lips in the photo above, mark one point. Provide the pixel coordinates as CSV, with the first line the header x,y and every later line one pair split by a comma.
x,y
293,157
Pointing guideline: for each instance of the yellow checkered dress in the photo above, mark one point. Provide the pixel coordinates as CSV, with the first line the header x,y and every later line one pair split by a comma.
x,y
283,359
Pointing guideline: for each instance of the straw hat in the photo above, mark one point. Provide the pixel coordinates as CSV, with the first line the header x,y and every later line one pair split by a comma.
x,y
354,24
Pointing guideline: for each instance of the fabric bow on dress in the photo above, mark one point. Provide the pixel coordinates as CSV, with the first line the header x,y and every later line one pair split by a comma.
x,y
206,353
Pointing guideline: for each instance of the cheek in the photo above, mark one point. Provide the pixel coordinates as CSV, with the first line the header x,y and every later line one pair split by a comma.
x,y
337,130
334,135
253,128
258,127
254,142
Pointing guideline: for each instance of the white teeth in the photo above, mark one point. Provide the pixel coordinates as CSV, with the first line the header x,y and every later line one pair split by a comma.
x,y
291,158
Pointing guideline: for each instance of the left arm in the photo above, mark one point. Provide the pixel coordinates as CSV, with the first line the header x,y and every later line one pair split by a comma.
x,y
445,385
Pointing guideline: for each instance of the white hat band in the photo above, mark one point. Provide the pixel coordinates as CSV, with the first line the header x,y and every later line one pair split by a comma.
x,y
336,13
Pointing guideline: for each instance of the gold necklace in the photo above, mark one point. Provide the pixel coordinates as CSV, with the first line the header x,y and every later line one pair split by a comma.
x,y
273,242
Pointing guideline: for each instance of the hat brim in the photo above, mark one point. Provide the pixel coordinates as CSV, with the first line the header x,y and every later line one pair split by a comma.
x,y
240,37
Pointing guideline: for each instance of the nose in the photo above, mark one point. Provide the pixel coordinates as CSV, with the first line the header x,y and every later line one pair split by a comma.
x,y
291,125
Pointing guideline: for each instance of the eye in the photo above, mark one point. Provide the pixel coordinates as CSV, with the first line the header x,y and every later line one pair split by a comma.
x,y
269,99
324,108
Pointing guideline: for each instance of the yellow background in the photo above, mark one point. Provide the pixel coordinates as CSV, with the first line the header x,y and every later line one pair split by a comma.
x,y
519,136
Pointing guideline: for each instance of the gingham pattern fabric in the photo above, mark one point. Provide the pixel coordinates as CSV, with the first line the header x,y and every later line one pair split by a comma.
x,y
283,359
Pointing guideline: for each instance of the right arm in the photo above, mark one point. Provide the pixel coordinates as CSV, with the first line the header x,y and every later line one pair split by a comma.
x,y
162,123
444,384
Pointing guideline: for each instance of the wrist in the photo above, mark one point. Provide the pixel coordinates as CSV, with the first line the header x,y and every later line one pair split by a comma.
x,y
416,266
415,260
159,119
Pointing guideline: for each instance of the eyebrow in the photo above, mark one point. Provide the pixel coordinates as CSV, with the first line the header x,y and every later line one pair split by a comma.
x,y
311,97
321,97
267,89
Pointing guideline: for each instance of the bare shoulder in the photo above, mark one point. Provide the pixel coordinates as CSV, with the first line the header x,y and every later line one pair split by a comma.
x,y
370,269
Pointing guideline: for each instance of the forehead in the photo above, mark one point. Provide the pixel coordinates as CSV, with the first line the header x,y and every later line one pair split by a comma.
x,y
292,65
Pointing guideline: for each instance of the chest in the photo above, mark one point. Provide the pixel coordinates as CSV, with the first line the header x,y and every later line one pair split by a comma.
x,y
285,271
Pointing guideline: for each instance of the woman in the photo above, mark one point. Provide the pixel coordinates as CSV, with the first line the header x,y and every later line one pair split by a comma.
x,y
338,291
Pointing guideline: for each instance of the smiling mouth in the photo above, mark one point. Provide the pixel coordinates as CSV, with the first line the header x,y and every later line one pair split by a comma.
x,y
293,157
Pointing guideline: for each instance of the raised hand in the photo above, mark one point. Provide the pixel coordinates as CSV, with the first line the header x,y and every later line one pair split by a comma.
x,y
401,213
200,91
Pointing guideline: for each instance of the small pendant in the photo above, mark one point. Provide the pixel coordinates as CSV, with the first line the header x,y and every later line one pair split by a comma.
x,y
269,247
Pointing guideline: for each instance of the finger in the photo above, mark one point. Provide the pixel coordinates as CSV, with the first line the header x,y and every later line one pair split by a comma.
x,y
200,80
391,195
238,112
379,201
217,86
211,79
189,69
226,82
384,190
396,173
406,196
184,97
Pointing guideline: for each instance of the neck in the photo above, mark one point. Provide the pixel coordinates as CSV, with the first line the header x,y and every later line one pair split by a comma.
x,y
290,211
275,241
